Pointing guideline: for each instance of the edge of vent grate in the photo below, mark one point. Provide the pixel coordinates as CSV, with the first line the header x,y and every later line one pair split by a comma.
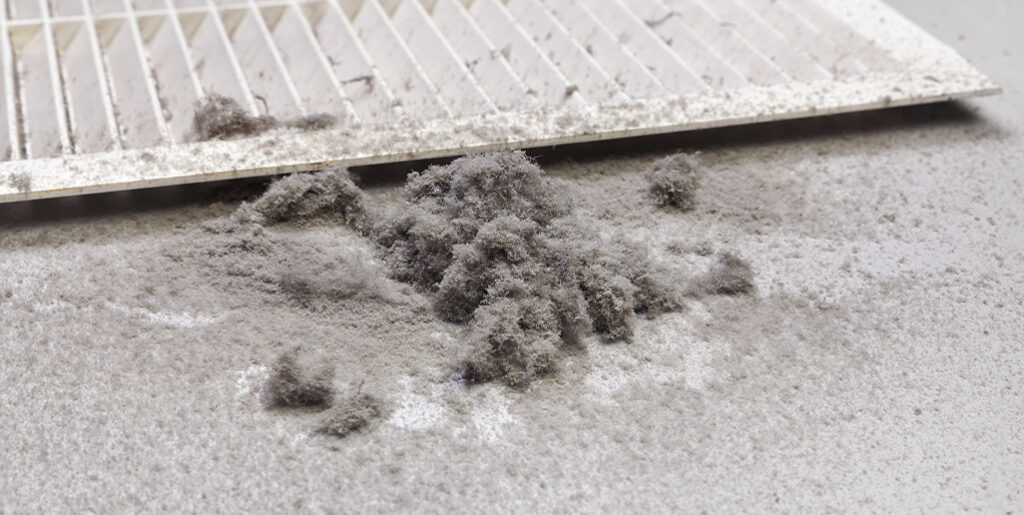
x,y
611,73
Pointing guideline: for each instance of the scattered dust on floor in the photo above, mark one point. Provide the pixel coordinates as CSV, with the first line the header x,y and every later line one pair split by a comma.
x,y
878,349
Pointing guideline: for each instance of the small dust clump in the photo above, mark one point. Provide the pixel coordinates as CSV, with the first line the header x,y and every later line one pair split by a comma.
x,y
728,275
496,244
672,182
220,117
292,386
329,193
20,181
350,415
447,206
313,122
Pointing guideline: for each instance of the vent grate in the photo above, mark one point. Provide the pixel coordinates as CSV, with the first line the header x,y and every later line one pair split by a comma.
x,y
98,95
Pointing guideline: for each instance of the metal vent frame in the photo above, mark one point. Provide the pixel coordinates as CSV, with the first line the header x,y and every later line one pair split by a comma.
x,y
475,76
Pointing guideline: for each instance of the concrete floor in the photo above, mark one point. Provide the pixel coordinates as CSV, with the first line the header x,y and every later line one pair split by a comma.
x,y
877,368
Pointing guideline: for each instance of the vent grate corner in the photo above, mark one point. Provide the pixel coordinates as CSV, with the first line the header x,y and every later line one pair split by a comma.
x,y
98,95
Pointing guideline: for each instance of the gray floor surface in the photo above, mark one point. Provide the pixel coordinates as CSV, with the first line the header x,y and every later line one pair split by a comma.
x,y
877,367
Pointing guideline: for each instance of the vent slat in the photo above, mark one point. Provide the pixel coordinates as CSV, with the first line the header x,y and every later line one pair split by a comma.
x,y
807,39
532,66
176,86
632,32
617,60
418,95
105,7
10,143
723,38
66,8
572,59
456,85
797,64
40,97
24,9
102,75
318,87
712,66
139,115
827,23
363,83
57,84
89,105
213,61
486,63
261,63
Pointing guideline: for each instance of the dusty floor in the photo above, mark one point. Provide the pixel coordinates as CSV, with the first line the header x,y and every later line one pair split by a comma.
x,y
877,367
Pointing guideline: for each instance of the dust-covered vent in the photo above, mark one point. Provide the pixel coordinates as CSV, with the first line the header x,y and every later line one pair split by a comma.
x,y
100,95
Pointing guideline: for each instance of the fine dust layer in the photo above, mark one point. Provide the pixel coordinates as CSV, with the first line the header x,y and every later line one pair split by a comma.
x,y
875,365
350,415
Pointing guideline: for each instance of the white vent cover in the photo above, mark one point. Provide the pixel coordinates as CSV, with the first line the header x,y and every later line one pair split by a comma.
x,y
98,95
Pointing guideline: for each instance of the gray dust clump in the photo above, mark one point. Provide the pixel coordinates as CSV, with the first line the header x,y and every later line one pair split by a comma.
x,y
446,206
313,122
20,181
331,193
728,275
291,386
314,268
496,244
220,117
672,182
350,415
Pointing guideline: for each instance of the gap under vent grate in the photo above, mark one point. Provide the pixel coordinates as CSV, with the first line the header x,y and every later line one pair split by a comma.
x,y
99,95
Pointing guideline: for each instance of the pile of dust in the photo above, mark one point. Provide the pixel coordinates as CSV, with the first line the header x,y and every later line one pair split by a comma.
x,y
728,275
290,386
496,244
672,182
220,117
350,415
493,243
330,193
